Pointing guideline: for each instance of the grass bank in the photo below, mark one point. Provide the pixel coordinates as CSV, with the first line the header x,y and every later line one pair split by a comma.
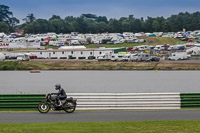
x,y
105,127
149,41
95,65
13,65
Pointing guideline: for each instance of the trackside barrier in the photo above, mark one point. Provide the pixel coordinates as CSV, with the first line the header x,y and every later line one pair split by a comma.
x,y
190,100
20,101
98,101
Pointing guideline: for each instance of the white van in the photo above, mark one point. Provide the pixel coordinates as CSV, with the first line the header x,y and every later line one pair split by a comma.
x,y
142,57
23,57
117,57
133,57
142,47
178,56
158,47
105,57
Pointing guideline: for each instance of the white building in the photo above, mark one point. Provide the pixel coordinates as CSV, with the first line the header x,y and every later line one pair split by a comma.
x,y
65,53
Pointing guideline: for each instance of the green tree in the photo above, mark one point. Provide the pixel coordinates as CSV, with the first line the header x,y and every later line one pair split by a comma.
x,y
32,27
102,27
29,18
136,26
43,25
148,24
4,27
5,14
75,26
13,22
56,25
89,16
114,26
91,26
195,20
102,19
82,24
126,27
55,17
158,24
90,23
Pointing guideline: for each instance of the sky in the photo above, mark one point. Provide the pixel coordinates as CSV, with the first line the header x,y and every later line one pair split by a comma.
x,y
109,8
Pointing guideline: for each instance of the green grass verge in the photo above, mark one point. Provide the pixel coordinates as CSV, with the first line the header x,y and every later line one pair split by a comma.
x,y
105,127
18,49
149,41
13,65
114,45
51,47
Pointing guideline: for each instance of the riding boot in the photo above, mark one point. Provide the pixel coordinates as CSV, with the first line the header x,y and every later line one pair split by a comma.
x,y
59,103
63,107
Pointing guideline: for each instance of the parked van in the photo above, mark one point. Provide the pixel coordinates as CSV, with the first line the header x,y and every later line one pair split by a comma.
x,y
142,47
172,47
133,57
143,57
127,57
158,47
23,57
178,56
104,58
165,47
117,57
176,47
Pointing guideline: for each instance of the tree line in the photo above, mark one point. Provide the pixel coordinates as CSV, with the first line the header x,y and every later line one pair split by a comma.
x,y
90,23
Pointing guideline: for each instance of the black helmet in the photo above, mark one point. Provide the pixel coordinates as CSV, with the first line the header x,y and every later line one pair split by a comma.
x,y
57,86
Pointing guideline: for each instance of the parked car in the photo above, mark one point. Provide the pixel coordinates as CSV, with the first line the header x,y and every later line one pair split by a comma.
x,y
165,47
190,40
183,39
181,48
129,49
153,58
151,47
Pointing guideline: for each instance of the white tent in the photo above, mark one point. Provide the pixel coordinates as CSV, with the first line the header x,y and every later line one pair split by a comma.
x,y
72,47
2,57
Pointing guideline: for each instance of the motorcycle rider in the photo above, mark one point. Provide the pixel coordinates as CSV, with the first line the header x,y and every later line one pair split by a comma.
x,y
61,95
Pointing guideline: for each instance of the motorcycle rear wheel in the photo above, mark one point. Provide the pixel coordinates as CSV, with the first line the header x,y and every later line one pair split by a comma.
x,y
43,107
70,107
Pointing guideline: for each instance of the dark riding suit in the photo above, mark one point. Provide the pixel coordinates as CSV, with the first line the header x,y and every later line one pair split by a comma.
x,y
61,95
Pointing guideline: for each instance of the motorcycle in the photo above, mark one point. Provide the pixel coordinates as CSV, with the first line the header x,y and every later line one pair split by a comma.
x,y
68,104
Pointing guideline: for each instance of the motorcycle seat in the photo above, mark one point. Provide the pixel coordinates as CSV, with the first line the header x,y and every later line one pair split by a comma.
x,y
69,99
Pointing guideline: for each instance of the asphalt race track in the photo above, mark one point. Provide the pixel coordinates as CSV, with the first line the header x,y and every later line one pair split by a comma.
x,y
99,116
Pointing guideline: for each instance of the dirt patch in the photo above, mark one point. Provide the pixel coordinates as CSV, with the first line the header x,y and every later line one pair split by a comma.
x,y
107,65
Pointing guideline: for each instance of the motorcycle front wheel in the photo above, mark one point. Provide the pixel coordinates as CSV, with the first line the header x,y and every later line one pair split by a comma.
x,y
43,107
70,107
